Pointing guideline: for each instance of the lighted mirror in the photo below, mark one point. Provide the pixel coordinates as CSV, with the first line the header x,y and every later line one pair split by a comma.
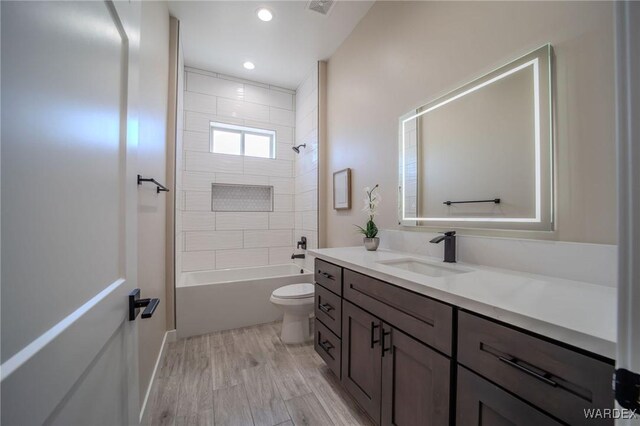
x,y
482,155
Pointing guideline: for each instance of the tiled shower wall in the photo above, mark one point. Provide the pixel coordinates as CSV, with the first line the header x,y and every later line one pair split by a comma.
x,y
306,164
220,240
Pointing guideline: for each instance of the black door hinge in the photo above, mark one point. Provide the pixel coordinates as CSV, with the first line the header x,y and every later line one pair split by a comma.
x,y
626,385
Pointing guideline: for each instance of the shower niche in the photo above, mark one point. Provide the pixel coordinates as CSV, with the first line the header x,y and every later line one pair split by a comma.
x,y
241,198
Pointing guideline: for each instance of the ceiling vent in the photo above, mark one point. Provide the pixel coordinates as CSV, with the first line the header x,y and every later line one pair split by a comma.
x,y
323,7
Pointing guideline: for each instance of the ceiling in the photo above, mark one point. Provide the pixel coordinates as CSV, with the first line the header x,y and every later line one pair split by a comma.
x,y
220,36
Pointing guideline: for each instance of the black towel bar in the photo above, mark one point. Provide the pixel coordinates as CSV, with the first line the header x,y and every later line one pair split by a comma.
x,y
495,200
159,187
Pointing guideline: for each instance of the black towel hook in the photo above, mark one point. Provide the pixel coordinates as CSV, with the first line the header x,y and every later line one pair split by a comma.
x,y
159,187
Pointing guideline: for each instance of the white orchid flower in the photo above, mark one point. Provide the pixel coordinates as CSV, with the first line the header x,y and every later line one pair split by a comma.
x,y
371,202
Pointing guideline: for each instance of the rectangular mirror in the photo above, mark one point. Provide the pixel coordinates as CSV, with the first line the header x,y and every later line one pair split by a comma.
x,y
482,155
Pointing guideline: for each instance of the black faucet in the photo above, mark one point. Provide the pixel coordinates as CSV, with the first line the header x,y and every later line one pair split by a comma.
x,y
449,239
297,256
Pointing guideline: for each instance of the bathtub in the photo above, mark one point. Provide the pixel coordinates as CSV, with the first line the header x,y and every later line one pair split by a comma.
x,y
208,301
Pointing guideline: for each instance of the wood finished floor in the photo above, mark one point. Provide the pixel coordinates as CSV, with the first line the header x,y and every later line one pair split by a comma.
x,y
248,377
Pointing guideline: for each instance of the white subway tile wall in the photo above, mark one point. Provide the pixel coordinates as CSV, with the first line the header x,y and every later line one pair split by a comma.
x,y
219,240
198,260
306,163
242,258
270,238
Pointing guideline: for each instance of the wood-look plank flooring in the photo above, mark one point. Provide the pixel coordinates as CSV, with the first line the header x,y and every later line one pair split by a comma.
x,y
248,377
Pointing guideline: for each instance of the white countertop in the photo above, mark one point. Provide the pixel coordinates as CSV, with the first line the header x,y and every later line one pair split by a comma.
x,y
573,312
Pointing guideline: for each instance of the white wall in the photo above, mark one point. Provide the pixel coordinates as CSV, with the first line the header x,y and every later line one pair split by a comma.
x,y
220,240
154,82
405,53
306,163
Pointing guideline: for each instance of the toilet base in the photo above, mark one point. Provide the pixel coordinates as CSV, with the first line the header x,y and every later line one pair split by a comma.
x,y
295,328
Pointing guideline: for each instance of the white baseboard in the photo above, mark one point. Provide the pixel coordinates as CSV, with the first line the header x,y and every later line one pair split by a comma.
x,y
169,337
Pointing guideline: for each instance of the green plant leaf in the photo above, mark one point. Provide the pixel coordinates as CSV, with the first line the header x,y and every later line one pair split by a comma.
x,y
361,230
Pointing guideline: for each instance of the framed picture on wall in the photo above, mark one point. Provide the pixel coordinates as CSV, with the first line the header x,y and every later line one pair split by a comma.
x,y
342,189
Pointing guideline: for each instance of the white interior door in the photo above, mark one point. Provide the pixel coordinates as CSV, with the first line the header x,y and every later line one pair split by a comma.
x,y
69,132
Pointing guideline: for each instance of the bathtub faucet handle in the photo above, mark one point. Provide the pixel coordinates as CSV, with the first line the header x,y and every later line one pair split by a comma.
x,y
297,256
302,244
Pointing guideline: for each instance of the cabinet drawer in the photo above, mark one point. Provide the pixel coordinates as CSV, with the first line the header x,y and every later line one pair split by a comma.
x,y
328,346
419,316
558,380
328,309
481,403
329,276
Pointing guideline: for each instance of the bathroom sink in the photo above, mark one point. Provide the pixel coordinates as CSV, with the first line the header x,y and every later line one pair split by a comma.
x,y
424,268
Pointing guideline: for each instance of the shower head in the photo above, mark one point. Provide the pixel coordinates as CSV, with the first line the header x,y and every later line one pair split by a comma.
x,y
297,148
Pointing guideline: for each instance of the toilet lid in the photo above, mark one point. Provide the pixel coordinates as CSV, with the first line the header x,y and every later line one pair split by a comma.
x,y
294,291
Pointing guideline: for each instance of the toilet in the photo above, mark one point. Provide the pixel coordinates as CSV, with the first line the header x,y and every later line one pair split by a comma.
x,y
296,301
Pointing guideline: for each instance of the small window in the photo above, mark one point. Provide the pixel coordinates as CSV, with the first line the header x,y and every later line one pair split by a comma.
x,y
241,140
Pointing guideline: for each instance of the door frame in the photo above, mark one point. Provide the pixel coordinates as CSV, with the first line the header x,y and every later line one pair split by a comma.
x,y
627,68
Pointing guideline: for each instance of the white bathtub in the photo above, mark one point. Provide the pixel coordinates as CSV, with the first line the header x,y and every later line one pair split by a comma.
x,y
208,301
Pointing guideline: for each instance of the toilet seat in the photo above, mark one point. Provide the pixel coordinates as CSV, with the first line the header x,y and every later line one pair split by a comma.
x,y
294,291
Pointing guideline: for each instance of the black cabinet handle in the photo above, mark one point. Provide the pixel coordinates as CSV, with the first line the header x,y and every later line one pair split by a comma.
x,y
325,307
384,348
326,345
326,275
513,362
373,327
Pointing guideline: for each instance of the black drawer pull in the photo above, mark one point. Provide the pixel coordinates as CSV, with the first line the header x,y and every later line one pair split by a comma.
x,y
513,362
325,307
385,349
326,275
373,328
326,345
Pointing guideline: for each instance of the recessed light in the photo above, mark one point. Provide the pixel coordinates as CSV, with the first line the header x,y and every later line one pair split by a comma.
x,y
264,14
249,65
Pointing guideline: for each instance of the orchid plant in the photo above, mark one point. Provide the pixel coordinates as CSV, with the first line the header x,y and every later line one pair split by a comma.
x,y
371,202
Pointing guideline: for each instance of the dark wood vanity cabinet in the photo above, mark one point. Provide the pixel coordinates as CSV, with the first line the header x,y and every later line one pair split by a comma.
x,y
408,359
328,309
423,318
556,379
329,276
396,379
328,346
481,403
362,358
415,382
